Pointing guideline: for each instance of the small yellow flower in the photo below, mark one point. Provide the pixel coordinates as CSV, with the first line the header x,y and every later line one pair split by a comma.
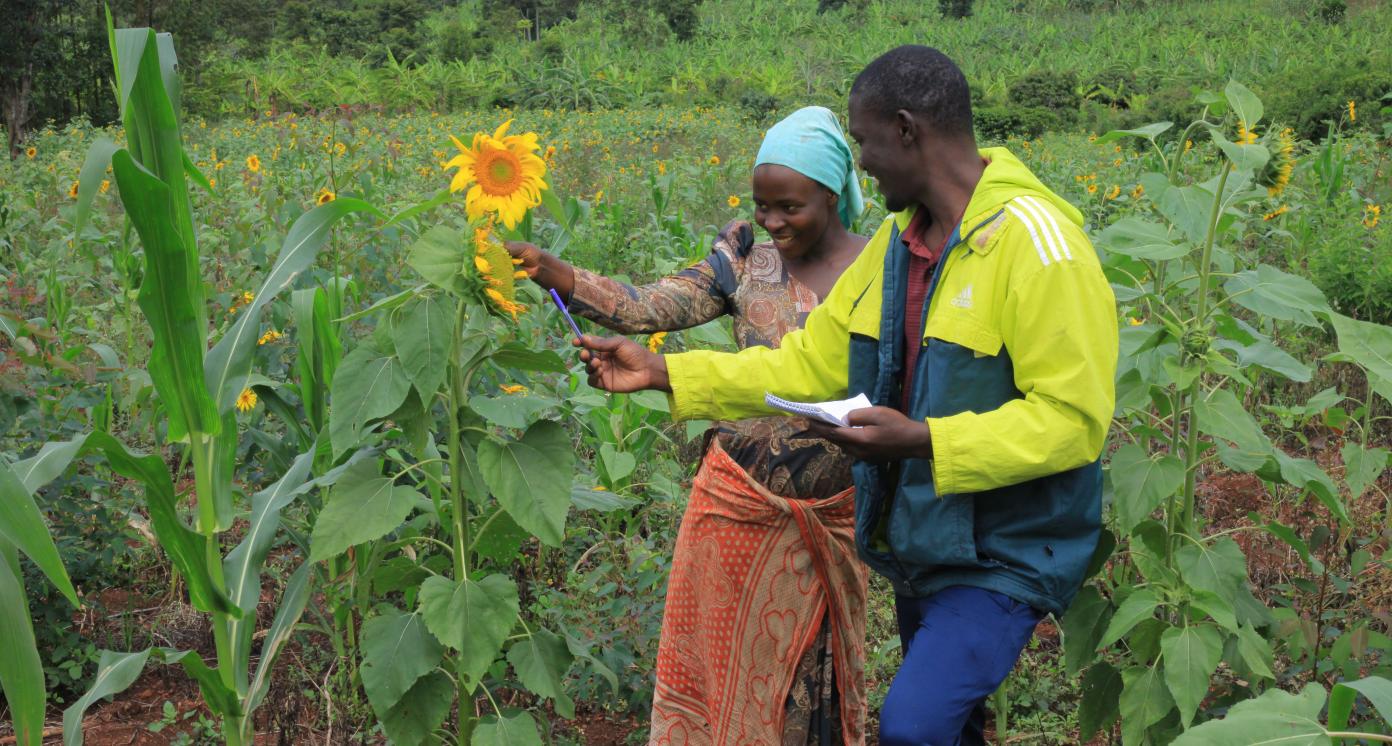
x,y
248,297
325,197
1092,138
253,163
269,337
661,168
1278,212
714,160
599,195
1116,162
1371,215
1188,145
1092,189
340,148
212,182
513,389
246,400
31,151
519,275
733,201
1135,321
1138,192
1353,111
600,488
72,190
105,185
656,341
1244,135
1114,192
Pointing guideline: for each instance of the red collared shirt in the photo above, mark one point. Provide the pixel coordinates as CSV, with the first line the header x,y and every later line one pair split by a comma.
x,y
922,259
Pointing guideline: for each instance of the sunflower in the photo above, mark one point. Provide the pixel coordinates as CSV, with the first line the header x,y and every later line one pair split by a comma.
x,y
31,151
325,197
733,201
505,173
1278,212
1353,111
1371,215
656,341
269,337
105,185
494,266
253,163
246,400
513,389
714,160
1275,175
1244,135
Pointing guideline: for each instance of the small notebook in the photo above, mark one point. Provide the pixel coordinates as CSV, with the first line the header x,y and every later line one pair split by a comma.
x,y
830,412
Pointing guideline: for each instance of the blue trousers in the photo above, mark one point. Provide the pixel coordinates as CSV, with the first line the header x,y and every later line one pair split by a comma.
x,y
959,645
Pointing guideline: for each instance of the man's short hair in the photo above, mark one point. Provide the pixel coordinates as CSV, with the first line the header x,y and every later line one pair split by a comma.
x,y
921,80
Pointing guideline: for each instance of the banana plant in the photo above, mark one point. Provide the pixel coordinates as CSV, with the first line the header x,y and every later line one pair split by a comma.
x,y
199,389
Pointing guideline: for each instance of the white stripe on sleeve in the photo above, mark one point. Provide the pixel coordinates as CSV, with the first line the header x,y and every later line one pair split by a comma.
x,y
1034,235
1043,227
1052,223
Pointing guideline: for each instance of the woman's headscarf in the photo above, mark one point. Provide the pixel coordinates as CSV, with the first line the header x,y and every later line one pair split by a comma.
x,y
810,142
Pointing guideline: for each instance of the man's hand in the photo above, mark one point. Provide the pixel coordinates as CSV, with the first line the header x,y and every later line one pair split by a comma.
x,y
879,434
542,268
620,365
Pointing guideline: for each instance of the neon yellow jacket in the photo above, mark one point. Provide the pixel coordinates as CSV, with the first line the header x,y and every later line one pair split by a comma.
x,y
1015,382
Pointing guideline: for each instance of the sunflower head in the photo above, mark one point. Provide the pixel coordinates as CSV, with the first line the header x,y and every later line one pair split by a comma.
x,y
31,151
325,197
253,163
246,401
1275,175
494,266
502,173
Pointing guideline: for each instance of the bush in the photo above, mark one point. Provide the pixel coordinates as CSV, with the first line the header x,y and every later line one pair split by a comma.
x,y
1309,97
1047,89
998,123
1353,266
955,8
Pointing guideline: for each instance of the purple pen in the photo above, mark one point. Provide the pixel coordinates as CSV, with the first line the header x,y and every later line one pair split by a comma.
x,y
561,305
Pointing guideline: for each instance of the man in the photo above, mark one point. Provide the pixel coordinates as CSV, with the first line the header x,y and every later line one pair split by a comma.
x,y
978,322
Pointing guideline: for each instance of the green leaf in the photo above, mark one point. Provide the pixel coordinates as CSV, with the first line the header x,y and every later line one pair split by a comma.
x,y
1145,700
1261,352
397,650
654,400
167,297
1217,608
541,662
582,651
1148,132
1138,606
1275,717
187,549
46,465
366,386
511,410
501,538
440,198
229,362
598,500
288,613
1149,553
531,477
115,672
515,728
1255,651
1221,415
1280,295
1362,466
517,357
1287,534
1141,239
22,526
1219,568
617,464
471,617
1100,704
1244,103
1083,625
1142,483
440,256
420,711
1189,209
1247,157
422,338
1367,344
1307,474
21,670
1376,689
1191,655
90,179
363,506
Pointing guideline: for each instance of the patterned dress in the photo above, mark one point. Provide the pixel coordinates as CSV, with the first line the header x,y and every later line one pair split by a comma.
x,y
749,282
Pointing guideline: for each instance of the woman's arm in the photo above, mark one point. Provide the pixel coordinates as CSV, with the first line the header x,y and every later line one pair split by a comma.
x,y
689,298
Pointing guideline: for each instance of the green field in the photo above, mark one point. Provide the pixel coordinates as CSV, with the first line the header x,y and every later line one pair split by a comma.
x,y
1247,582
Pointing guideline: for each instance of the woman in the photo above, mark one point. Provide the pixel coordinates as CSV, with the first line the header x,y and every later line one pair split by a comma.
x,y
763,633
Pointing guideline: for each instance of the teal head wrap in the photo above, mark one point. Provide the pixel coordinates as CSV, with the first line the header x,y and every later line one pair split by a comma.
x,y
810,142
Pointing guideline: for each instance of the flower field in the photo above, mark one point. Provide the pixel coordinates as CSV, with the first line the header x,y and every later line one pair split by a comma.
x,y
289,446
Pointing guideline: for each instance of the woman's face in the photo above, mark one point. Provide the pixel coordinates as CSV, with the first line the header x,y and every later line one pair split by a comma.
x,y
795,210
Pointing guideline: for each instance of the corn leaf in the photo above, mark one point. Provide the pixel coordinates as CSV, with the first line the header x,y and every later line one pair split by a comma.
x,y
21,671
169,304
22,527
228,364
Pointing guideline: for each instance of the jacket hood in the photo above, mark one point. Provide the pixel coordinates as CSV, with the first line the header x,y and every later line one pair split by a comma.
x,y
1004,179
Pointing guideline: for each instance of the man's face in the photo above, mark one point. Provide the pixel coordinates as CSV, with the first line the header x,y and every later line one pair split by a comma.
x,y
884,155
